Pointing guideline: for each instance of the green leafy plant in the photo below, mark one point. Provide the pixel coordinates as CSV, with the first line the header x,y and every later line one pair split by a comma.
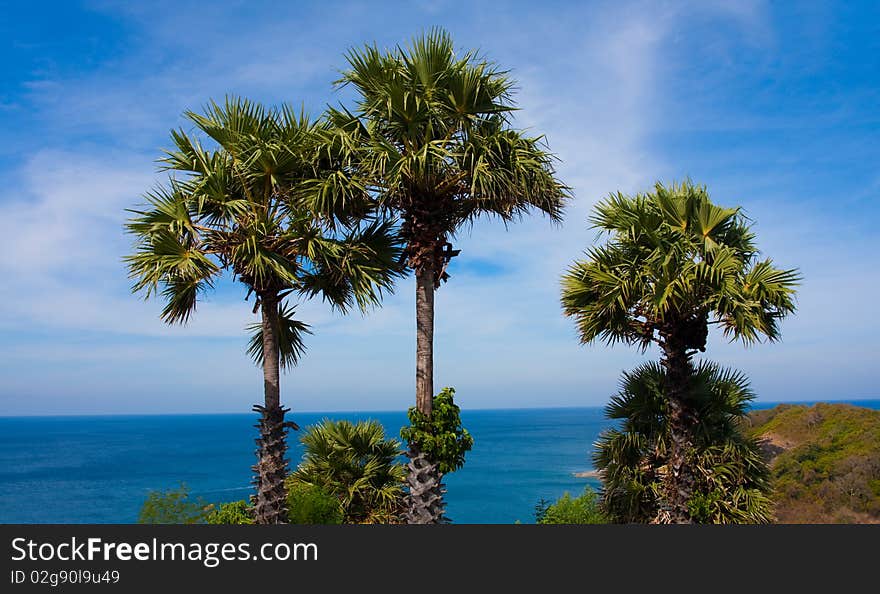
x,y
585,509
232,512
441,436
541,509
312,504
357,465
173,506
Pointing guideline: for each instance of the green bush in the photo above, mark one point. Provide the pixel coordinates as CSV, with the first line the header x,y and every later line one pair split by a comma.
x,y
311,504
441,437
357,465
173,506
581,510
233,512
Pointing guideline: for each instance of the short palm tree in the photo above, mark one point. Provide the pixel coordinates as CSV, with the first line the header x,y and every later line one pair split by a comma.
x,y
731,477
229,209
675,263
358,465
430,143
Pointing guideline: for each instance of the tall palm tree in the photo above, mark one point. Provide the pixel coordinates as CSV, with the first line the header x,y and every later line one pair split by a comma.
x,y
228,208
675,263
732,479
358,465
430,143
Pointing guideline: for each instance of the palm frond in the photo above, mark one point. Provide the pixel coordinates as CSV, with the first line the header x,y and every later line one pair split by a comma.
x,y
355,269
289,335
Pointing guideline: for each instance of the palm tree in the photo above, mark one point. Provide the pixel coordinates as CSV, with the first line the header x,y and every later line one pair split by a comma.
x,y
731,478
430,143
229,209
355,463
673,261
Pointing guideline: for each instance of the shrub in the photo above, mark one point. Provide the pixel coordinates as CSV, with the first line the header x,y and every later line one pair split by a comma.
x,y
567,510
233,512
173,506
357,465
311,504
441,437
541,510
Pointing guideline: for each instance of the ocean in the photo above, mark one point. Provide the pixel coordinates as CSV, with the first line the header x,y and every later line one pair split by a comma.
x,y
99,469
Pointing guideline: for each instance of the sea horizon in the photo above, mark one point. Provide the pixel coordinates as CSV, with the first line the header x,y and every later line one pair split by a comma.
x,y
753,405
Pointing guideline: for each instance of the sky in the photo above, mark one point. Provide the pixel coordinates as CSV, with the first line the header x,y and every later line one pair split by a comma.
x,y
774,106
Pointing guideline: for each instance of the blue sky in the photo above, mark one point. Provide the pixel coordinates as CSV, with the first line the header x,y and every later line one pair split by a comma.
x,y
775,106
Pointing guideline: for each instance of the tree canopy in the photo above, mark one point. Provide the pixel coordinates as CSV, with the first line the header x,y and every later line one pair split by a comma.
x,y
674,258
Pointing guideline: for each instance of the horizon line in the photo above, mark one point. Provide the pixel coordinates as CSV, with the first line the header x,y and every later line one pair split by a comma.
x,y
386,411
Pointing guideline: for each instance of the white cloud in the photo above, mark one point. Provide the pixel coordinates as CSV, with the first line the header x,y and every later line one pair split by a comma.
x,y
62,228
66,213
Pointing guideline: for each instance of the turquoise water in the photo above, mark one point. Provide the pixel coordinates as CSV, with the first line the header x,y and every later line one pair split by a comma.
x,y
99,469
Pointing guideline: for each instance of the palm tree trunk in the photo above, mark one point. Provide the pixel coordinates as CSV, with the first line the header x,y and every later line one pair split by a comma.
x,y
679,477
426,489
271,367
426,504
425,338
270,502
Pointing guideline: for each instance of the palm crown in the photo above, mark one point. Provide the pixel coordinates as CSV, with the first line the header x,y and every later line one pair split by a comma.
x,y
233,210
430,141
674,259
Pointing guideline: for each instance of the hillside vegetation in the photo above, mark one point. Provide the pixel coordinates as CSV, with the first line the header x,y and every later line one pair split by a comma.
x,y
825,461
